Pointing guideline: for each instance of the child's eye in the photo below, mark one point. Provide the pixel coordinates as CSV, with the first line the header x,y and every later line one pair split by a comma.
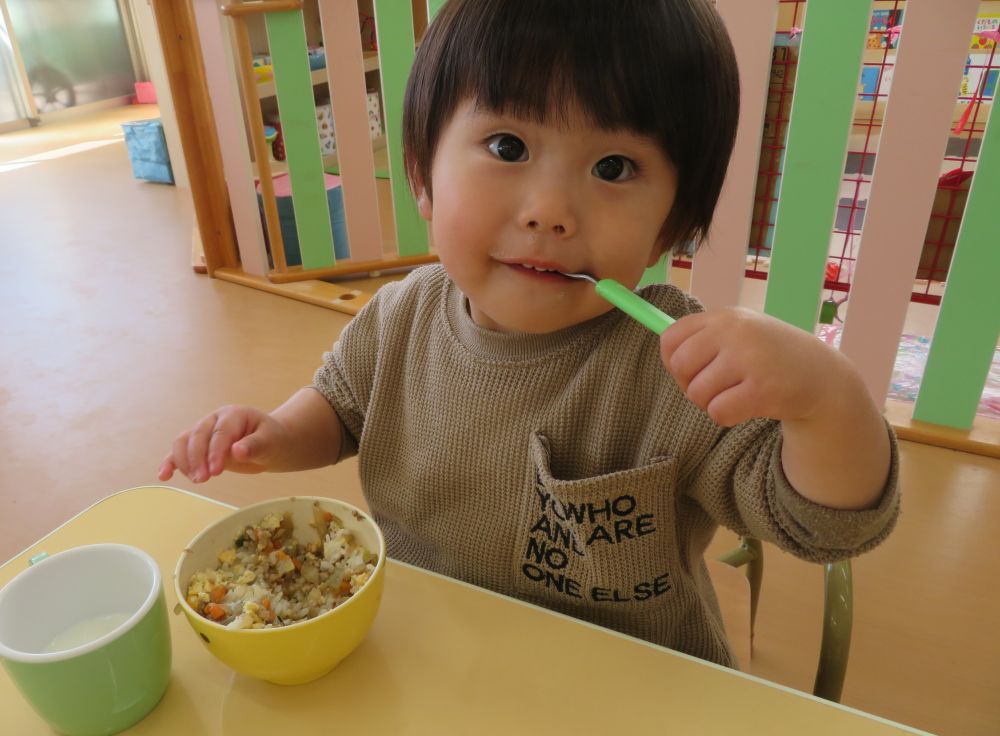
x,y
614,168
508,147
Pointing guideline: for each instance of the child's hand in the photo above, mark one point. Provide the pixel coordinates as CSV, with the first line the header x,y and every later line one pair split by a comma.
x,y
237,438
737,364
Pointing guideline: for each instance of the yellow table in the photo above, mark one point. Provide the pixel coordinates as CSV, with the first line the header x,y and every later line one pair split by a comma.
x,y
443,657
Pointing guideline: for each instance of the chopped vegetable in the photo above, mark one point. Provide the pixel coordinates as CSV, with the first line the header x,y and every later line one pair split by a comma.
x,y
269,578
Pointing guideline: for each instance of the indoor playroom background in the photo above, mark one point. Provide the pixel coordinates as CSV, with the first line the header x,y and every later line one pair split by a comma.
x,y
861,186
858,207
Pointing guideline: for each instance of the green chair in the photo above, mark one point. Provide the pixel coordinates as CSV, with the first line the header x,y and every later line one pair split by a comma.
x,y
838,606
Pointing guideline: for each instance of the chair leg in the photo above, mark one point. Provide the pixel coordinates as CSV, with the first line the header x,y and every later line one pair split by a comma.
x,y
749,553
838,609
755,574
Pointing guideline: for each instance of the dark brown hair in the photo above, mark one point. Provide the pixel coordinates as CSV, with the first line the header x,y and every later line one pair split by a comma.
x,y
660,68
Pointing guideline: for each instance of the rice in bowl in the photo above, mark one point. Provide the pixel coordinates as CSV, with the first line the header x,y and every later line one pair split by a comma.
x,y
268,578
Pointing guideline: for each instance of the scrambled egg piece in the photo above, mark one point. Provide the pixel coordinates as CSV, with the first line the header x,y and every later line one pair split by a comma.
x,y
268,578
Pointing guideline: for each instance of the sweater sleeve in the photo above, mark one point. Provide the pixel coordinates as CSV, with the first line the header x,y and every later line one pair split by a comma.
x,y
346,376
736,476
740,483
341,379
377,337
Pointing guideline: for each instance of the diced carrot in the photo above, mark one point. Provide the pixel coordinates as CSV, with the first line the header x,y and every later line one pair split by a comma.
x,y
297,562
218,593
215,611
327,516
266,603
345,586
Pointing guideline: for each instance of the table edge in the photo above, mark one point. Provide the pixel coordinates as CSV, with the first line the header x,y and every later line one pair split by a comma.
x,y
41,539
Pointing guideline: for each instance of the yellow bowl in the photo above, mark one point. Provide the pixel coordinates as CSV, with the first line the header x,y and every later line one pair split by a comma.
x,y
301,652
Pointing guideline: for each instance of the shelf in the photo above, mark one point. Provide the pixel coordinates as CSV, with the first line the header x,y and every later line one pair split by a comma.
x,y
331,164
266,89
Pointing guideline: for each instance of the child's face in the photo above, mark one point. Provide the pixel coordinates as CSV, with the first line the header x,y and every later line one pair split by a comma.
x,y
511,194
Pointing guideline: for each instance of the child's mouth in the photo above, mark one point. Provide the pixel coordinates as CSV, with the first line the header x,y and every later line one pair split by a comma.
x,y
541,273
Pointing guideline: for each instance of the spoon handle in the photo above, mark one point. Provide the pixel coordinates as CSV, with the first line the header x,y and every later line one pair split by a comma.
x,y
634,306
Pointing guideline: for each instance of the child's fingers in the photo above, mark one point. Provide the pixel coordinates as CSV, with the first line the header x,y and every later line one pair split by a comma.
x,y
197,448
251,448
713,380
732,406
218,452
692,357
678,333
167,467
243,450
230,427
179,454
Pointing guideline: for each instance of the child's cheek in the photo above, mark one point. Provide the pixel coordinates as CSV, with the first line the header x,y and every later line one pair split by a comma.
x,y
466,218
454,229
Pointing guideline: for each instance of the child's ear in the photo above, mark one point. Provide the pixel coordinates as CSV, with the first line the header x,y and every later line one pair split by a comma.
x,y
423,197
424,206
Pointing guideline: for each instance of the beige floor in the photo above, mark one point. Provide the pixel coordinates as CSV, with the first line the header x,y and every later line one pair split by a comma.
x,y
109,345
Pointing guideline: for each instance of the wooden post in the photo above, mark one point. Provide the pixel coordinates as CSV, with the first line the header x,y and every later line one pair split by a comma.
x,y
244,60
185,70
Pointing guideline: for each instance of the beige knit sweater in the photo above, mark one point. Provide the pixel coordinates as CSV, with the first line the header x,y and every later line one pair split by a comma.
x,y
564,469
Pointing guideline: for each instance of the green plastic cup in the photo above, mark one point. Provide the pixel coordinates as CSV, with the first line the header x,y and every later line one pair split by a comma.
x,y
85,638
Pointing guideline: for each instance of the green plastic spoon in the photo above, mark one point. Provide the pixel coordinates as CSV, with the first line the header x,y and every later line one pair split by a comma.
x,y
629,302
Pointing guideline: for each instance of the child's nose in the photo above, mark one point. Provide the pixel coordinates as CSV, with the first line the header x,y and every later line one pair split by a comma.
x,y
548,211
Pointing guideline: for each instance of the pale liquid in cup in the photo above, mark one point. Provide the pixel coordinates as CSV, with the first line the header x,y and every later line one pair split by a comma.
x,y
86,631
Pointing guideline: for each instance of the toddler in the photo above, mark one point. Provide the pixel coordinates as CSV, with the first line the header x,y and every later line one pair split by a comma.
x,y
513,429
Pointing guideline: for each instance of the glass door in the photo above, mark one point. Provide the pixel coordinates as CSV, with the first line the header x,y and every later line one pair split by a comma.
x,y
75,51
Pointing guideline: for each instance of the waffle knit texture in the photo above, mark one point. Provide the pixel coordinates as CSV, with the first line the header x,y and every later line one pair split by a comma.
x,y
565,469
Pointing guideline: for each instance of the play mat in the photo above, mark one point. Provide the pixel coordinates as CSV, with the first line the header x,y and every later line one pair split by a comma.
x,y
909,369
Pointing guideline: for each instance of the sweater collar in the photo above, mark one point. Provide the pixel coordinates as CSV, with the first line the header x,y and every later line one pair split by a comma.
x,y
513,347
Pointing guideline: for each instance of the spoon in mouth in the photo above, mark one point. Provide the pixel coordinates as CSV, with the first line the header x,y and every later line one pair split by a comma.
x,y
629,302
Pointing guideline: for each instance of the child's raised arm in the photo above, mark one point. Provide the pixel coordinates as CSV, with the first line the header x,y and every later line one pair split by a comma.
x,y
736,364
303,433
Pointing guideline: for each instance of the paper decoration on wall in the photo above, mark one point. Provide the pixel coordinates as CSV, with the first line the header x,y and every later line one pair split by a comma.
x,y
985,33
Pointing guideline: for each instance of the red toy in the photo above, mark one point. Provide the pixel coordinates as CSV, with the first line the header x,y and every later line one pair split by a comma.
x,y
278,147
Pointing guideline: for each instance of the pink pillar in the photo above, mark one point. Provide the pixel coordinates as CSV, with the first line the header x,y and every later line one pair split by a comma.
x,y
720,262
348,98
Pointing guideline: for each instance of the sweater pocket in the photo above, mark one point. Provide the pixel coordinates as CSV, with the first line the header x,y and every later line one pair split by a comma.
x,y
601,548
